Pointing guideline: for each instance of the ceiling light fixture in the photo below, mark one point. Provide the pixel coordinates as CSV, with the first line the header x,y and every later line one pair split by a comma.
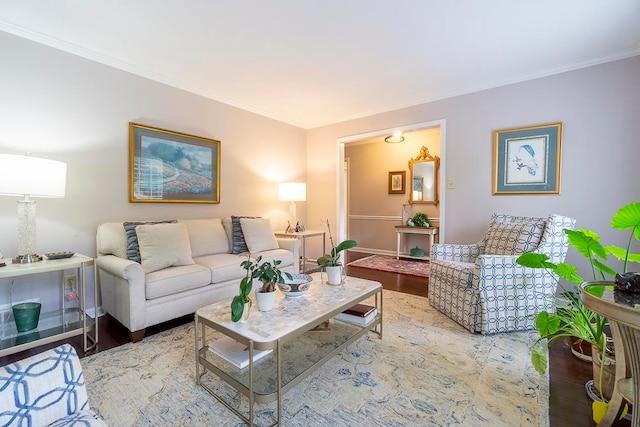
x,y
395,138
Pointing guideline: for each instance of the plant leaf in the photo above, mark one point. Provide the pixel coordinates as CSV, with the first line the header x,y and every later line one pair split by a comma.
x,y
346,244
237,308
547,324
627,217
539,358
568,272
586,242
534,260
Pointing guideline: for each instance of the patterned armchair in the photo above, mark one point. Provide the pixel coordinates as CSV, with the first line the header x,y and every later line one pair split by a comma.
x,y
482,287
46,390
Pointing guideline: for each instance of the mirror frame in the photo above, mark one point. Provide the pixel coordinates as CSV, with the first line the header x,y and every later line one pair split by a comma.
x,y
425,157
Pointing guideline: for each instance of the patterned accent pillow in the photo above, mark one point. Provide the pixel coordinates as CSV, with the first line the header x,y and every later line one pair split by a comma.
x,y
133,251
239,245
513,238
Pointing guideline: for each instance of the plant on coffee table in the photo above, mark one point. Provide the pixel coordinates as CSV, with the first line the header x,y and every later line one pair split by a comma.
x,y
267,272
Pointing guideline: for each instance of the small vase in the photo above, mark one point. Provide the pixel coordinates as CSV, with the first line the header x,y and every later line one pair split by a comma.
x,y
265,300
334,275
245,312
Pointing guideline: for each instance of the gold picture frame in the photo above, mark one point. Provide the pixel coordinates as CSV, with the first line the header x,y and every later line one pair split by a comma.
x,y
397,182
172,167
527,160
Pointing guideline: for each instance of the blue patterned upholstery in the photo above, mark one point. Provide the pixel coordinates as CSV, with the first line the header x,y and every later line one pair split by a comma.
x,y
46,389
491,293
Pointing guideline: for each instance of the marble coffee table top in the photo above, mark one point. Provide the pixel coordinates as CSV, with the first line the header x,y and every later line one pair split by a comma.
x,y
289,315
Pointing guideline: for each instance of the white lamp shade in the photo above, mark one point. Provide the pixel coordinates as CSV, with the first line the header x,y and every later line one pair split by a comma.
x,y
32,176
292,192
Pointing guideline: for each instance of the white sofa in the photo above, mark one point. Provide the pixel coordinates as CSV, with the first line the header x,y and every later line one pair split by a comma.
x,y
151,272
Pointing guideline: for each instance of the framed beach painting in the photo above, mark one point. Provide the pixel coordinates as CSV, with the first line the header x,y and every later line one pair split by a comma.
x,y
527,160
172,167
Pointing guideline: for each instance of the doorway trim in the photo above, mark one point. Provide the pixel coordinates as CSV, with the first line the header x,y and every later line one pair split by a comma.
x,y
342,172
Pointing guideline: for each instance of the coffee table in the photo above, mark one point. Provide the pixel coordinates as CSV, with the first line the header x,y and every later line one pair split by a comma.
x,y
291,319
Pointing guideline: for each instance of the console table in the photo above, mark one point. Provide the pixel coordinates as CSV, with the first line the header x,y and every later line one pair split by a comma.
x,y
624,320
55,325
401,230
305,266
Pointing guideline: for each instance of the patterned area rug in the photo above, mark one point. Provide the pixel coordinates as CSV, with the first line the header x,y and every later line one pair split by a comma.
x,y
426,371
387,263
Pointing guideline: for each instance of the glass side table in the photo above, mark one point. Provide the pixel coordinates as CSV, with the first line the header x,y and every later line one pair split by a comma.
x,y
305,265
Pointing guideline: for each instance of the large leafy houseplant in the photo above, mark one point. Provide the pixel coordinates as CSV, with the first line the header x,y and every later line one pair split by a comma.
x,y
267,272
332,259
571,318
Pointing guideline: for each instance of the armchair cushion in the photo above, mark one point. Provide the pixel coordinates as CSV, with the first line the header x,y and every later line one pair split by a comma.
x,y
45,389
513,238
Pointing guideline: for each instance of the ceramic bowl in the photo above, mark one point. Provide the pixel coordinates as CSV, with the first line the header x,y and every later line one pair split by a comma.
x,y
296,286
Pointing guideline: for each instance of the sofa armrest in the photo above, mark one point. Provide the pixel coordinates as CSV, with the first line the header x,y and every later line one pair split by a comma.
x,y
53,377
122,287
452,252
292,245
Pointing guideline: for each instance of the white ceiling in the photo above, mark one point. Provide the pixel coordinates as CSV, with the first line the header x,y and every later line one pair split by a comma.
x,y
316,62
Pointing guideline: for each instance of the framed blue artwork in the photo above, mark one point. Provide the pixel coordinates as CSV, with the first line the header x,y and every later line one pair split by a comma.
x,y
527,160
172,167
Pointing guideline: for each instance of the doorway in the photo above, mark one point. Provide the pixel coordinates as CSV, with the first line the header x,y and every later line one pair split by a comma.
x,y
348,219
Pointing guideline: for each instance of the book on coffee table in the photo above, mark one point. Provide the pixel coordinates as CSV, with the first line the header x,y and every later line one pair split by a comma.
x,y
235,352
359,314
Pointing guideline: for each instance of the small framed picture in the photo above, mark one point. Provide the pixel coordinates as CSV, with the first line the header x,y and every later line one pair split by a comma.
x,y
397,182
527,160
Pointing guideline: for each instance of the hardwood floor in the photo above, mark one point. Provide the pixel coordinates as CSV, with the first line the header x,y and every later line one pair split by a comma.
x,y
568,402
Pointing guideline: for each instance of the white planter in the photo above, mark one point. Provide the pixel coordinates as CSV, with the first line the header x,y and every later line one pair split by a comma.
x,y
334,275
265,300
245,312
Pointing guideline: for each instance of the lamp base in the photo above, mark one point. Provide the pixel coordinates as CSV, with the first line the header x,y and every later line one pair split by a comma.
x,y
26,259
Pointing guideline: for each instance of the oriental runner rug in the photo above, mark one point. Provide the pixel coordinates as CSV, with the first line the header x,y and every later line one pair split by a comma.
x,y
387,263
426,371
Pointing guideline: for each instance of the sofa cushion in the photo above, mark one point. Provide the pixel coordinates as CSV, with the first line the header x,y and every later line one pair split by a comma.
x,y
258,234
163,245
111,239
239,244
513,238
207,236
223,267
173,280
133,251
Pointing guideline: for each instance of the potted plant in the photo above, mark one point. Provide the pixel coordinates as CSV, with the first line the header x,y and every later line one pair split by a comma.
x,y
571,318
420,219
266,272
331,261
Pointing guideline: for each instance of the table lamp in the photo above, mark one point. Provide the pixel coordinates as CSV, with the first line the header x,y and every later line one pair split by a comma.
x,y
29,177
292,192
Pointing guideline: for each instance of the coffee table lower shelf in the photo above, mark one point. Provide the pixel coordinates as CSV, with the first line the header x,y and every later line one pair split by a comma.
x,y
302,355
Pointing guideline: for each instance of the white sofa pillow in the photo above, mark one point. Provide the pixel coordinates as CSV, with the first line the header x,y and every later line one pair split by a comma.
x,y
258,234
207,236
163,245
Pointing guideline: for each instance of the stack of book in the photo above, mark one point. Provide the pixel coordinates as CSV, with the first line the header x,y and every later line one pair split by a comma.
x,y
235,352
359,314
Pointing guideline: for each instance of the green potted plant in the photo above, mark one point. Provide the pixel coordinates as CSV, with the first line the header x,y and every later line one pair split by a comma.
x,y
571,318
268,273
420,219
331,261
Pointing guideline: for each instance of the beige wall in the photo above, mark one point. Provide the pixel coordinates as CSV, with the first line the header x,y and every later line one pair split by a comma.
x,y
599,107
60,106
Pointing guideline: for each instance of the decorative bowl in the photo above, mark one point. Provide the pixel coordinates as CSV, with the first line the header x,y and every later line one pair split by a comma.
x,y
296,286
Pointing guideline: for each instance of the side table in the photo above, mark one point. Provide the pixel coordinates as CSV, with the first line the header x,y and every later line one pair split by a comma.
x,y
430,232
59,324
624,319
305,266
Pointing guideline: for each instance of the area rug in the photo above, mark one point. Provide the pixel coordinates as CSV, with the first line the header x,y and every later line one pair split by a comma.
x,y
387,263
426,371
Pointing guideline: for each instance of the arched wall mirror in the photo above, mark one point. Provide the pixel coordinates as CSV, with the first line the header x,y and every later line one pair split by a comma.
x,y
423,170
